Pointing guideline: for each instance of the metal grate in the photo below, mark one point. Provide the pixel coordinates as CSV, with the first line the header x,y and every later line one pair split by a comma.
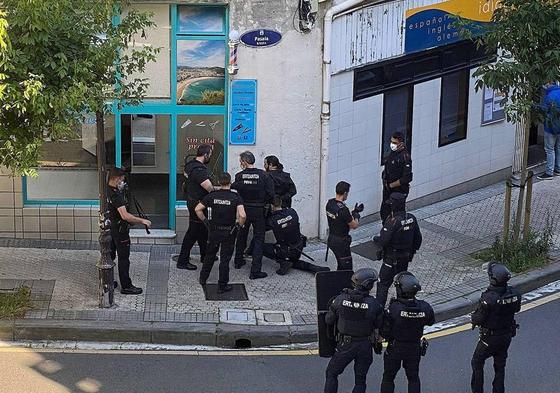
x,y
239,293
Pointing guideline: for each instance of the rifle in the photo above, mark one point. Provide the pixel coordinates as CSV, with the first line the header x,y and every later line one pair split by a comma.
x,y
140,212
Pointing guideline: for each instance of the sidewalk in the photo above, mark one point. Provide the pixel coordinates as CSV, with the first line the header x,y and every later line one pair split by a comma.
x,y
63,277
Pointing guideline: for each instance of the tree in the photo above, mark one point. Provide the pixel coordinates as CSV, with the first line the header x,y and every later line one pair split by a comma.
x,y
61,60
525,34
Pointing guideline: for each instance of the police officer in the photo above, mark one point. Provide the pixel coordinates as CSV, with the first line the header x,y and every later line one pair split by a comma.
x,y
397,173
289,241
495,316
197,186
341,220
224,207
256,189
356,315
121,220
284,186
403,328
400,238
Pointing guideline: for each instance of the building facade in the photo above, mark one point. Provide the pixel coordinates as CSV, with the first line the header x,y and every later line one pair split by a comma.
x,y
392,66
189,102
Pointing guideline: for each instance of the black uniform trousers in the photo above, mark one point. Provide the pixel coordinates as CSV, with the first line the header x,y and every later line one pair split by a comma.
x,y
278,253
340,245
224,241
197,233
120,246
359,351
397,355
255,218
389,269
490,346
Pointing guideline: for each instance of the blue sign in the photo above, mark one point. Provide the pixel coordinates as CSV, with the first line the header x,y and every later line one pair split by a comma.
x,y
243,114
261,38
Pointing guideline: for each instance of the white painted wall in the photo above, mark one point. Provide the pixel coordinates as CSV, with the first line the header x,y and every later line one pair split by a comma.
x,y
288,118
356,131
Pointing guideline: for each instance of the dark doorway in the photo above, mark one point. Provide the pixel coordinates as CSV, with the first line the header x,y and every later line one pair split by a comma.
x,y
145,155
537,154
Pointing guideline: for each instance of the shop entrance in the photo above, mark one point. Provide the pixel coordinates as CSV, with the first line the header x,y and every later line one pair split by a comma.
x,y
537,154
145,154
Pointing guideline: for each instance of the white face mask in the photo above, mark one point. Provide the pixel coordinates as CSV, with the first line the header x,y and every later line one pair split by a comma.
x,y
394,146
121,186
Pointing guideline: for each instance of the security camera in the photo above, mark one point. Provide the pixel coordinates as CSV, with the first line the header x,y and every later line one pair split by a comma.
x,y
308,14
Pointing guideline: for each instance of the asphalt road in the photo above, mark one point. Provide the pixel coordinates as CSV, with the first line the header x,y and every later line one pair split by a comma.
x,y
532,367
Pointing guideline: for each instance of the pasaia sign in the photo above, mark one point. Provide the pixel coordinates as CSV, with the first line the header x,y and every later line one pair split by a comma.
x,y
261,38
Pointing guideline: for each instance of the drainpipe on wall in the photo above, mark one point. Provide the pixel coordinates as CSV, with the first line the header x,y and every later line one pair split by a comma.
x,y
326,107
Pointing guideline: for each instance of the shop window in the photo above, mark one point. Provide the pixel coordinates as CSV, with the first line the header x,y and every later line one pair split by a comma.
x,y
192,131
68,168
454,107
420,67
158,72
397,116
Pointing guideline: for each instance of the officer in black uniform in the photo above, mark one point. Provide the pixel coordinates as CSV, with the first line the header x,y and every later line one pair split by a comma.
x,y
397,173
256,189
356,315
495,316
403,328
197,186
400,238
224,207
121,220
289,241
341,220
284,186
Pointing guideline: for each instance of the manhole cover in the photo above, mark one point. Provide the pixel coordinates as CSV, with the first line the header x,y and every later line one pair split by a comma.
x,y
237,294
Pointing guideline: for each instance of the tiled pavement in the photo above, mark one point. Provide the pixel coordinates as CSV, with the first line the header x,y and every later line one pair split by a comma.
x,y
63,276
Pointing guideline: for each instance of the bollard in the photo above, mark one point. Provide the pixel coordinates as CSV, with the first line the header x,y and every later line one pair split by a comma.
x,y
507,210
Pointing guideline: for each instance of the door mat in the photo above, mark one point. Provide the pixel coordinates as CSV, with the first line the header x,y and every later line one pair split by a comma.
x,y
238,294
367,250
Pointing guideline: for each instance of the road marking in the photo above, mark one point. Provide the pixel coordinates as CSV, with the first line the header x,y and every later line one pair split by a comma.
x,y
8,348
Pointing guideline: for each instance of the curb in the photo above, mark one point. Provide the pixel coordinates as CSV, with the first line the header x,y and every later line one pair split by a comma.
x,y
222,334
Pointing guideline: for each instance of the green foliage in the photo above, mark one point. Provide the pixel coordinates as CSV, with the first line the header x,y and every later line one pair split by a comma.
x,y
15,304
528,253
525,34
60,60
209,97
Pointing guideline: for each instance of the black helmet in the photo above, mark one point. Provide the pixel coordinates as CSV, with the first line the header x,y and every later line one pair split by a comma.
x,y
498,274
407,285
364,279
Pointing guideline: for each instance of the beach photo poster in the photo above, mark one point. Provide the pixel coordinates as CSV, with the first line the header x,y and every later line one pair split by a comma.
x,y
201,72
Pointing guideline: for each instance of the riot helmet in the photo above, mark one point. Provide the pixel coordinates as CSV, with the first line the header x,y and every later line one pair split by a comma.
x,y
407,285
364,279
498,274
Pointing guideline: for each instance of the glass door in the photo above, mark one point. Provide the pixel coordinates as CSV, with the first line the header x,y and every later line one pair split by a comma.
x,y
145,155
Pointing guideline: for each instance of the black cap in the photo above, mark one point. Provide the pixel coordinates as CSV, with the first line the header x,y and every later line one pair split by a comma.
x,y
397,197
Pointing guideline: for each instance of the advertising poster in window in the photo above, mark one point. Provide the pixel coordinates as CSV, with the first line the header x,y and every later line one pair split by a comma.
x,y
201,72
493,106
195,130
201,19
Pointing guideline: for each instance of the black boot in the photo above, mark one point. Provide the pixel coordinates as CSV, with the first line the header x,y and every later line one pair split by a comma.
x,y
284,267
224,288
